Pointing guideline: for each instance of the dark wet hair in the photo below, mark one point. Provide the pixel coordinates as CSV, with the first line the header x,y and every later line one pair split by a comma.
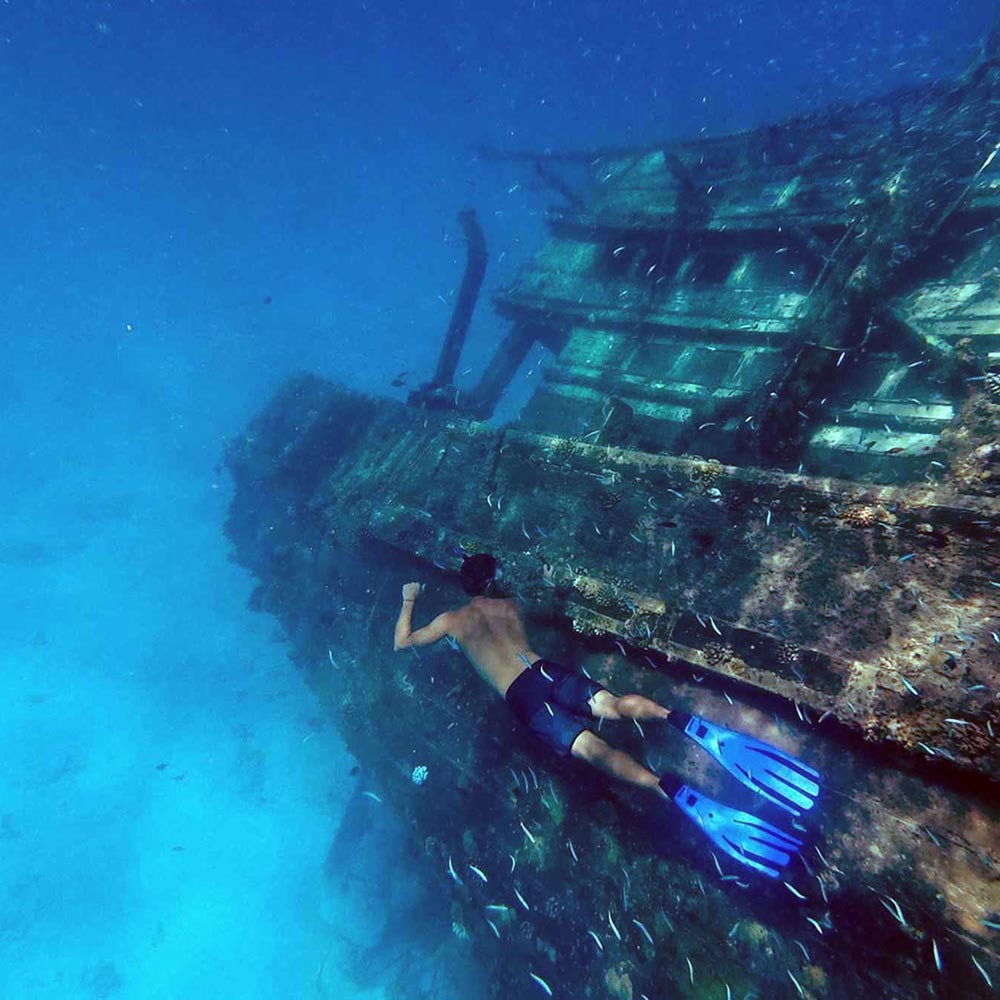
x,y
477,574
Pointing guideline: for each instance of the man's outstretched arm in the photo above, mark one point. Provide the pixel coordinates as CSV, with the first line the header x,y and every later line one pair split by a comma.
x,y
404,635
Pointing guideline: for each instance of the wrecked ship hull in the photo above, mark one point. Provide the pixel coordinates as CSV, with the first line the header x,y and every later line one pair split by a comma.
x,y
339,499
760,481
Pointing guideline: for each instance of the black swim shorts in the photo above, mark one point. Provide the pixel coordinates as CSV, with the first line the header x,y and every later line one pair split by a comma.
x,y
551,700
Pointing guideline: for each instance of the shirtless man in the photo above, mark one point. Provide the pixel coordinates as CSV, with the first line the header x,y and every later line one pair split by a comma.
x,y
554,703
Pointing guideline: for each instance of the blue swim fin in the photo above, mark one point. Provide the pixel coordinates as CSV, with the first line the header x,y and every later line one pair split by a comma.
x,y
778,776
751,841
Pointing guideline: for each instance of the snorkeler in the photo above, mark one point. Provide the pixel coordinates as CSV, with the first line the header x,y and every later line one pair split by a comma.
x,y
555,704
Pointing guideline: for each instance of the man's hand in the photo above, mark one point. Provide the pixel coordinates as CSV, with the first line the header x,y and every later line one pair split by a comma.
x,y
411,591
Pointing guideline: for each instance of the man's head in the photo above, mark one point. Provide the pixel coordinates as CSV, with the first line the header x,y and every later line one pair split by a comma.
x,y
479,574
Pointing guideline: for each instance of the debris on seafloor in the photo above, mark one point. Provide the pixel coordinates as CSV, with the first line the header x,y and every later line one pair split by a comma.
x,y
760,481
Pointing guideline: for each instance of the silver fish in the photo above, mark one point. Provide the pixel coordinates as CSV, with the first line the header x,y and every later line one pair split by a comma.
x,y
802,992
898,910
642,927
982,972
541,982
795,892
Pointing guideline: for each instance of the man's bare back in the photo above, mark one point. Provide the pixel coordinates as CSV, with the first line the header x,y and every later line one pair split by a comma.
x,y
489,630
491,633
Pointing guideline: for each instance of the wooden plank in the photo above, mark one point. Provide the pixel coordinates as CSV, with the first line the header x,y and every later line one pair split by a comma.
x,y
613,381
722,305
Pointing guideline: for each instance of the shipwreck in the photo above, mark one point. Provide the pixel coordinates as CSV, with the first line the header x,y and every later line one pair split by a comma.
x,y
760,479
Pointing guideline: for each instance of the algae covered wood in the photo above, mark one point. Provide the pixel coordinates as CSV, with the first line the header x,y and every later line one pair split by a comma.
x,y
820,288
713,599
760,481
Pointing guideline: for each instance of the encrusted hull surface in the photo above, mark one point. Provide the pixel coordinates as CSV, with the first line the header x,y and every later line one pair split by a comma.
x,y
759,480
786,605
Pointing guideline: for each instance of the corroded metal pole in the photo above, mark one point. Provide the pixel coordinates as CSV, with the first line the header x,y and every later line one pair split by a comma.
x,y
440,392
503,366
475,270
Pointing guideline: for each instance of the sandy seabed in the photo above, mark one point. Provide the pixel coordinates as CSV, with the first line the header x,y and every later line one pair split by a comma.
x,y
168,785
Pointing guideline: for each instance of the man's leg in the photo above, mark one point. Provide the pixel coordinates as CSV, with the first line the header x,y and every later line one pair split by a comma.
x,y
591,748
606,705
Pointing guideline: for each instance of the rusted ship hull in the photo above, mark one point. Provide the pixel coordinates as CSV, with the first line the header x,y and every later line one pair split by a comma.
x,y
761,481
339,499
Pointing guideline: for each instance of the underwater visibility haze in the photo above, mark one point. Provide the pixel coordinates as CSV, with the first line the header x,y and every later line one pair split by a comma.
x,y
645,355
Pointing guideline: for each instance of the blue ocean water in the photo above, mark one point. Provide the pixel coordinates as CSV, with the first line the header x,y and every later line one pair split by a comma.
x,y
198,199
